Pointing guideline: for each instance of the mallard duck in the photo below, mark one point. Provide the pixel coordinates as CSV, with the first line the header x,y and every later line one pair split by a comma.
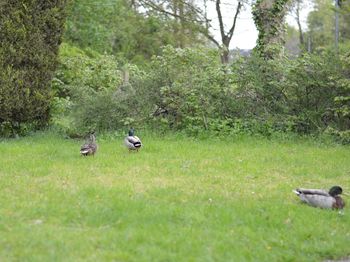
x,y
322,198
132,142
90,147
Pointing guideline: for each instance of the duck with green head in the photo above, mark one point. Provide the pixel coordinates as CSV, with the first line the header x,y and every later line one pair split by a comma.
x,y
132,142
321,198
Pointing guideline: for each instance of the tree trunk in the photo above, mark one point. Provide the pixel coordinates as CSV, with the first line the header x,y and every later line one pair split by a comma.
x,y
225,55
182,25
269,16
301,35
226,37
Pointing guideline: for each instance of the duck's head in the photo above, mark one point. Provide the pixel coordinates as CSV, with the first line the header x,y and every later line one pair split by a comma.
x,y
131,131
335,190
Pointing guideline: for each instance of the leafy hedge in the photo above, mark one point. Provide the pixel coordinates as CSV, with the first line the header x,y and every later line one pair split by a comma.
x,y
186,88
30,36
189,89
306,95
90,93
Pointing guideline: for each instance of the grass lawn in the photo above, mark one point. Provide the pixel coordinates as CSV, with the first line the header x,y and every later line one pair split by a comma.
x,y
178,199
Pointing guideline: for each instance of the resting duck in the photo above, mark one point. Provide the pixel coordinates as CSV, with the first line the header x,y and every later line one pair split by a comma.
x,y
89,148
132,142
321,198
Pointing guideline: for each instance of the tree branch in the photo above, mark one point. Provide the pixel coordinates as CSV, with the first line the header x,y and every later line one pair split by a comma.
x,y
159,8
230,33
207,35
221,23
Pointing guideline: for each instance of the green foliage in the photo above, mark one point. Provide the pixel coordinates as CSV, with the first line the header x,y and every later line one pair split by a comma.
x,y
87,69
30,35
187,88
183,89
91,93
341,106
305,95
321,24
312,89
320,90
321,28
116,27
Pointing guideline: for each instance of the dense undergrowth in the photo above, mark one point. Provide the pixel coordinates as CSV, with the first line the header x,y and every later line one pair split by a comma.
x,y
189,90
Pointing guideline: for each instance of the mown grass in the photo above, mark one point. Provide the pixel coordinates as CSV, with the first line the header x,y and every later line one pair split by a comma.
x,y
179,199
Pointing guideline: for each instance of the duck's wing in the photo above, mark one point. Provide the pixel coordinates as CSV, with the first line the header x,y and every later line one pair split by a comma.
x,y
307,191
138,142
129,142
133,139
84,147
133,142
318,200
93,147
137,138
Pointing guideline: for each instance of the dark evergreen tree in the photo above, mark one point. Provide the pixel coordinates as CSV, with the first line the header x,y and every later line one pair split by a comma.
x,y
30,34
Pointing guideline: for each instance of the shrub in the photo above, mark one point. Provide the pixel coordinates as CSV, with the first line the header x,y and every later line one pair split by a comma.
x,y
186,88
90,92
303,95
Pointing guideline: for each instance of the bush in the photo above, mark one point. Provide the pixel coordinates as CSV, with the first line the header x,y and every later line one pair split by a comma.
x,y
185,88
304,95
30,35
90,92
189,89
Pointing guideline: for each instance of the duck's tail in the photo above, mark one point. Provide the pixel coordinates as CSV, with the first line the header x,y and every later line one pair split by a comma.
x,y
84,151
297,192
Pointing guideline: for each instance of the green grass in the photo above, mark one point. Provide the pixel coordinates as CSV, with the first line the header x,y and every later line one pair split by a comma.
x,y
178,199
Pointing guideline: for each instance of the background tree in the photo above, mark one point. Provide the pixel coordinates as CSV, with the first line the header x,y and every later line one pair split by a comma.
x,y
226,36
269,18
321,24
345,20
30,32
292,41
117,27
198,20
295,41
296,7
